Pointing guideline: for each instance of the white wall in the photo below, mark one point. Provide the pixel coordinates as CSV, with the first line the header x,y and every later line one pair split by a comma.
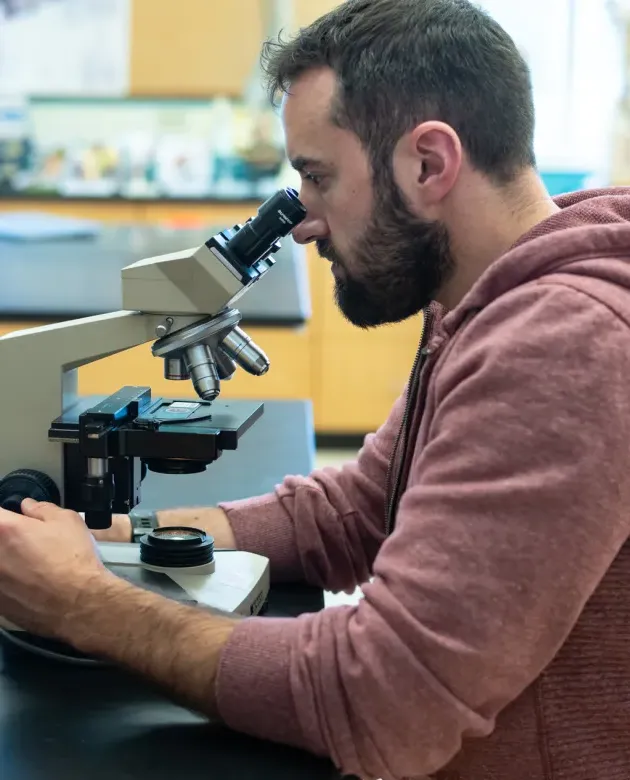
x,y
575,51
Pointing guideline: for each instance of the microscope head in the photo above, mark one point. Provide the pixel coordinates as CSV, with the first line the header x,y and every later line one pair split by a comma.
x,y
207,280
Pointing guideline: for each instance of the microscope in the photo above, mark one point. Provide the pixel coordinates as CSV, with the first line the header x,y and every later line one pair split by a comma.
x,y
91,455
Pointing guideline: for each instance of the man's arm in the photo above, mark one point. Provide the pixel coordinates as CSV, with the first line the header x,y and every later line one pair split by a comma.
x,y
210,519
177,647
52,583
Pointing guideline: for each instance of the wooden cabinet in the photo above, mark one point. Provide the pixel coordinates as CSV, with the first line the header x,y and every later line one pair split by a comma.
x,y
361,372
193,47
362,378
202,48
288,350
180,214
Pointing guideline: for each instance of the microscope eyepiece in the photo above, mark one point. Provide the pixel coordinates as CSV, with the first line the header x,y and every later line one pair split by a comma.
x,y
276,218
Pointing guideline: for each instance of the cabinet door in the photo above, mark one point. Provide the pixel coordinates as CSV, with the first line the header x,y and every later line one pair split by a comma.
x,y
193,47
289,377
361,373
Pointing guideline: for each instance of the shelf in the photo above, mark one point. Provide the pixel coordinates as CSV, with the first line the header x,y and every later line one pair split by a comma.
x,y
23,197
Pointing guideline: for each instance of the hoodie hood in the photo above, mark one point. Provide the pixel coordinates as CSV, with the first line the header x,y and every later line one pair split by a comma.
x,y
588,237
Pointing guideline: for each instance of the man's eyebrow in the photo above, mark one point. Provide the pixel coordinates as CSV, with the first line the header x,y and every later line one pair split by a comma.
x,y
302,163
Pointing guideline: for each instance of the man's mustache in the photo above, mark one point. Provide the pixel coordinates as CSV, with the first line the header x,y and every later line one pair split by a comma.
x,y
326,250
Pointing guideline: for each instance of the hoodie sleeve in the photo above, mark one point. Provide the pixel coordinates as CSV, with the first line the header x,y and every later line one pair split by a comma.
x,y
324,528
516,508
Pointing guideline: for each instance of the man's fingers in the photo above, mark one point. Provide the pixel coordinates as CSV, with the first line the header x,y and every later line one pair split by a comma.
x,y
7,518
48,512
40,510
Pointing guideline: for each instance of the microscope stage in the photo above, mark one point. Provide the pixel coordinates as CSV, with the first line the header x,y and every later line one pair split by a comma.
x,y
110,442
225,422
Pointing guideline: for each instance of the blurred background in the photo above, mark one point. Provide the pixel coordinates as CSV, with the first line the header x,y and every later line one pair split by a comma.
x,y
129,128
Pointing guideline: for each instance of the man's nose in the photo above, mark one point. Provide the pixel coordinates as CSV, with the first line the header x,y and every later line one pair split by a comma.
x,y
310,229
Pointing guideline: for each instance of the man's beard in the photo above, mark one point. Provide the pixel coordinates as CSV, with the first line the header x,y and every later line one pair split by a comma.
x,y
398,266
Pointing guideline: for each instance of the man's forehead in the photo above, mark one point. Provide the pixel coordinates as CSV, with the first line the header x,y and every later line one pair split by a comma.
x,y
312,90
306,113
309,99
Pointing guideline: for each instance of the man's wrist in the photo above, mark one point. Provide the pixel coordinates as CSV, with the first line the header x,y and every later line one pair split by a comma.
x,y
95,605
142,522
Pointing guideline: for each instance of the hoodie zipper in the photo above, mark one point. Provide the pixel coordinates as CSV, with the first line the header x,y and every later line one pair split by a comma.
x,y
392,492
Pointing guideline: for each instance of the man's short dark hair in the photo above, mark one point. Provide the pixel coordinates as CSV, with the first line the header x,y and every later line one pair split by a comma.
x,y
402,62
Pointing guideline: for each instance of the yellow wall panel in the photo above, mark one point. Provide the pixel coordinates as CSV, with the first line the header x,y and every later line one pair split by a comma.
x,y
193,47
306,11
361,381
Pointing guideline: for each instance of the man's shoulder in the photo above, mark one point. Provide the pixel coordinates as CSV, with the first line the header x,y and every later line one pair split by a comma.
x,y
559,305
542,325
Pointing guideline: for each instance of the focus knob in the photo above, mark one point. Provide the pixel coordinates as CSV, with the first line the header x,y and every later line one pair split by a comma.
x,y
26,483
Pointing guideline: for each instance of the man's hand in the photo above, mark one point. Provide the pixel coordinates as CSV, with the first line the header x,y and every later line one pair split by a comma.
x,y
48,563
53,583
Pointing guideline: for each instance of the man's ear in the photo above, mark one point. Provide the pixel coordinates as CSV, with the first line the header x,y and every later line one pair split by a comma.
x,y
427,161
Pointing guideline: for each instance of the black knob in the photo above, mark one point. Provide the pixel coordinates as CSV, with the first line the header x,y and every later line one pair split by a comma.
x,y
27,483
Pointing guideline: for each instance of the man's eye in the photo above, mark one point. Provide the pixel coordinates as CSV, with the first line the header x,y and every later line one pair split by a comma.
x,y
314,177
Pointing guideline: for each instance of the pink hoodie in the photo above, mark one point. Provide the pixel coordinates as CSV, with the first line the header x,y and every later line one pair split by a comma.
x,y
492,641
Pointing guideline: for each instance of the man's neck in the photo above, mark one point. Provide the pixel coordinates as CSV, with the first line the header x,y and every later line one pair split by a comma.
x,y
489,222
